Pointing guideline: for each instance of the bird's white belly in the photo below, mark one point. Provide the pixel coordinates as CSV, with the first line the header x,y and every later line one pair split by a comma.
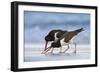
x,y
63,43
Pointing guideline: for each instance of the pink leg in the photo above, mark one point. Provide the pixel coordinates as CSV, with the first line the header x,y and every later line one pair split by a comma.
x,y
46,50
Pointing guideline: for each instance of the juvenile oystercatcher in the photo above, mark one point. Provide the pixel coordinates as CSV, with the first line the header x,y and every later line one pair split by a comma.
x,y
52,36
64,40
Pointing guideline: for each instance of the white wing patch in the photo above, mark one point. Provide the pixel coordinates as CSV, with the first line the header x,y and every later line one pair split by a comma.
x,y
56,36
62,42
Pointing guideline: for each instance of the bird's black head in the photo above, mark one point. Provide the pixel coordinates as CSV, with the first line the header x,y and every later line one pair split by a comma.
x,y
48,38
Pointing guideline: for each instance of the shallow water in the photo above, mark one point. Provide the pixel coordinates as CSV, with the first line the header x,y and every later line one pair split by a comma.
x,y
56,56
33,54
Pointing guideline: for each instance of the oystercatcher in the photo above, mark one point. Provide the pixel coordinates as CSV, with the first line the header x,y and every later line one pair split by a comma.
x,y
64,40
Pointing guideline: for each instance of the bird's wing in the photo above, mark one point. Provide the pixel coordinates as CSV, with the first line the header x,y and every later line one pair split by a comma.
x,y
69,36
61,36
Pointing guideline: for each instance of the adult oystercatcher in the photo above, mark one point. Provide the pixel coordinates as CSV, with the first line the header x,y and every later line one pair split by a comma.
x,y
64,40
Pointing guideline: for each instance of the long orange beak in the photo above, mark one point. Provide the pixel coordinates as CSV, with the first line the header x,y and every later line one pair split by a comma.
x,y
46,43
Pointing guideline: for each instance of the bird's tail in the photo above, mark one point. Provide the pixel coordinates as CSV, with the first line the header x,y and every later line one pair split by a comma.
x,y
79,30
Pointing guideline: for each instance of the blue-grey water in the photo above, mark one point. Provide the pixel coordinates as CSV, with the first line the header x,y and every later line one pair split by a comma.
x,y
32,53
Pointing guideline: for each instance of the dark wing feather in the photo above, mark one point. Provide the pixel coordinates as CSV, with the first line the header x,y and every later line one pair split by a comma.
x,y
59,34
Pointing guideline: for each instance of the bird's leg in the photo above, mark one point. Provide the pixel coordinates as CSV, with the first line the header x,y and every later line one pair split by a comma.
x,y
47,50
51,50
75,48
66,49
60,50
